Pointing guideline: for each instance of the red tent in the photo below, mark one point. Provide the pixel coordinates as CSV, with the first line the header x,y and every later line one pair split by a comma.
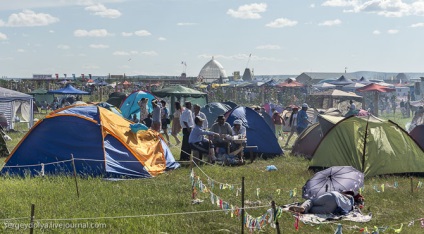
x,y
376,88
290,83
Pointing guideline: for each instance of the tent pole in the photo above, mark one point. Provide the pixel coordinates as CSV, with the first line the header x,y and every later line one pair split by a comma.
x,y
365,145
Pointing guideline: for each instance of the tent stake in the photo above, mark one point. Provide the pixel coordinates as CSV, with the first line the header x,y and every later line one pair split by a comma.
x,y
31,222
277,224
412,186
75,174
242,205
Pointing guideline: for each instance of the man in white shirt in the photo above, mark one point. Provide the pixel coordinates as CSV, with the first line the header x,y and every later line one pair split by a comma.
x,y
187,123
197,112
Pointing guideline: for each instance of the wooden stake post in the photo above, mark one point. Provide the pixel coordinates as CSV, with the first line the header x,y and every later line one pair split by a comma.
x,y
31,222
75,174
274,210
242,205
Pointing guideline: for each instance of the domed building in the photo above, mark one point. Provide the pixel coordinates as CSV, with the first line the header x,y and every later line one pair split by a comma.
x,y
212,72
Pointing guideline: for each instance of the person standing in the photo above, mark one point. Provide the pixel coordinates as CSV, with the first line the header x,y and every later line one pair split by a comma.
x,y
197,112
278,123
176,125
156,115
164,120
292,123
187,123
142,103
302,119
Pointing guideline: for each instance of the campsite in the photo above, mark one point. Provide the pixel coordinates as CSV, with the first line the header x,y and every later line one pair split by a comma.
x,y
165,204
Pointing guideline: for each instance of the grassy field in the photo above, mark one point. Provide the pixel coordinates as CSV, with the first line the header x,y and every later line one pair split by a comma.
x,y
164,204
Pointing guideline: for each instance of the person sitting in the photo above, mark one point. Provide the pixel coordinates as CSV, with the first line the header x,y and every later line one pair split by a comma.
x,y
198,142
333,202
222,128
148,121
239,131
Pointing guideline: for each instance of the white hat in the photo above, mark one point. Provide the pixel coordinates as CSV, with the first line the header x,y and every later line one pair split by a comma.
x,y
237,121
305,105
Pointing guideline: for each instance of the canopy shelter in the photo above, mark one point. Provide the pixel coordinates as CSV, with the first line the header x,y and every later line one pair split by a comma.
x,y
331,98
13,104
178,91
352,87
341,81
290,83
69,89
364,80
376,89
324,85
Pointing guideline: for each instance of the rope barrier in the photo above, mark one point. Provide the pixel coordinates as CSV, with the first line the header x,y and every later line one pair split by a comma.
x,y
14,218
210,178
148,215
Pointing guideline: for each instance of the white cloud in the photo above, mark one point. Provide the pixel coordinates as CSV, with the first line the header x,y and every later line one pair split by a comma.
x,y
142,33
186,24
127,34
339,3
238,57
376,32
28,18
162,39
312,5
330,22
101,10
20,50
387,8
417,25
3,36
392,31
268,47
63,47
248,11
99,46
281,22
149,53
91,33
125,53
51,31
90,67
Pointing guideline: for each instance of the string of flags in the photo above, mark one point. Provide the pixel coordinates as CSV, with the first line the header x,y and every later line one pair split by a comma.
x,y
257,223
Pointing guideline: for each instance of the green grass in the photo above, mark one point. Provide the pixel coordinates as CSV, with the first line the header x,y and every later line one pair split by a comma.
x,y
130,201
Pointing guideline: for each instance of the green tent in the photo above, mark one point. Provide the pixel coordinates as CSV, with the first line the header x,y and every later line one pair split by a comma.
x,y
41,95
179,92
371,145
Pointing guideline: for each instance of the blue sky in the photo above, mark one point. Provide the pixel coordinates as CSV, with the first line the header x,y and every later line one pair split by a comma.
x,y
154,37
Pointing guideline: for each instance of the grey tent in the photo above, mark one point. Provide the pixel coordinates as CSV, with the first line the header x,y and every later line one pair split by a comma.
x,y
14,104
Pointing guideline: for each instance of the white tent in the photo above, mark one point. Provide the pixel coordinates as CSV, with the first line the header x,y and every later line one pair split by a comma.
x,y
13,103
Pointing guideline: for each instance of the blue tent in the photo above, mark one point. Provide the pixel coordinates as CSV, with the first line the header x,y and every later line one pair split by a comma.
x,y
100,141
258,132
130,105
213,109
69,89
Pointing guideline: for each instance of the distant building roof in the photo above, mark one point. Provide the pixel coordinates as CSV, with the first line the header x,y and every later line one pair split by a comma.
x,y
212,71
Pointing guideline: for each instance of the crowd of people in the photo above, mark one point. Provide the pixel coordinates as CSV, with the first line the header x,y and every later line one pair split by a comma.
x,y
197,134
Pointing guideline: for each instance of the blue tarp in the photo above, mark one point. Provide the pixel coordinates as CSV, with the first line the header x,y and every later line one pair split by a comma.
x,y
258,132
69,89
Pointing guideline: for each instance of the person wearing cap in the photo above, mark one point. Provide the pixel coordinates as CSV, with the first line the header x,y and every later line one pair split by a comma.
x,y
302,119
187,123
292,123
198,141
156,115
197,112
238,129
222,128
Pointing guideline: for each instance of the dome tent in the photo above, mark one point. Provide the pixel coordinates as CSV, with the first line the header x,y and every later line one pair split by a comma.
x,y
371,145
100,141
